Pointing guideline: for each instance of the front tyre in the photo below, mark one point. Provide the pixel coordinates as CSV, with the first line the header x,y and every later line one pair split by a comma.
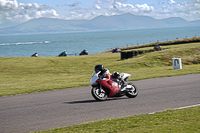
x,y
131,92
99,94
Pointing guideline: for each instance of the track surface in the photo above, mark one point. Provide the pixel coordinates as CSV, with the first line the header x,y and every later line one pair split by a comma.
x,y
67,107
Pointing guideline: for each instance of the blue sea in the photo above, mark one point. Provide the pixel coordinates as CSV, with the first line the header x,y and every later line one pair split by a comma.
x,y
51,45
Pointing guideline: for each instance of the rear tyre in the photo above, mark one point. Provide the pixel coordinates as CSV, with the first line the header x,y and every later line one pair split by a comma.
x,y
131,92
99,94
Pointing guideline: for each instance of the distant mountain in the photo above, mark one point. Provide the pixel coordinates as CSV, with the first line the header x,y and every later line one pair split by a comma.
x,y
43,25
101,23
174,22
120,22
195,23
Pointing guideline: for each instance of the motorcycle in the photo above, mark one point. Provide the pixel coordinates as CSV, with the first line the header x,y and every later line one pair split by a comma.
x,y
120,87
158,48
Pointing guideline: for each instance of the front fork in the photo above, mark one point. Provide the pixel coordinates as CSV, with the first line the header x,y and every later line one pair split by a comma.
x,y
102,89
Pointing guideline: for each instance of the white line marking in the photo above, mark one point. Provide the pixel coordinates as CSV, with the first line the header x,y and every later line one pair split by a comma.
x,y
188,106
180,108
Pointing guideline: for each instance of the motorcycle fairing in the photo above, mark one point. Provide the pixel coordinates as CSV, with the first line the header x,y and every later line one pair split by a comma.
x,y
109,84
94,78
125,76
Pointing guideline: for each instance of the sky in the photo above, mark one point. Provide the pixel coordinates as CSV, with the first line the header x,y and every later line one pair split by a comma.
x,y
14,12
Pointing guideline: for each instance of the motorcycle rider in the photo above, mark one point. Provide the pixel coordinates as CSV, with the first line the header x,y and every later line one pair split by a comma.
x,y
104,73
105,76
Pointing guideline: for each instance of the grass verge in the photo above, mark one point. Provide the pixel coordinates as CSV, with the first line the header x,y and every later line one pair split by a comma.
x,y
21,75
170,121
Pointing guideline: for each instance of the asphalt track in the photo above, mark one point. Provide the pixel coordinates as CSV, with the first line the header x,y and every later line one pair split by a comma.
x,y
67,107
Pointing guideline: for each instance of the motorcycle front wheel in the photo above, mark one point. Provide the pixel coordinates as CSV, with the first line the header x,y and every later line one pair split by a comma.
x,y
131,92
99,94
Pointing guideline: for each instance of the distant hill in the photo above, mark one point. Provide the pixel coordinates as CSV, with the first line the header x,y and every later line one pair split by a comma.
x,y
43,25
101,23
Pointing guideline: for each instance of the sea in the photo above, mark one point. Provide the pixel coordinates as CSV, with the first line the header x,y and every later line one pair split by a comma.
x,y
51,45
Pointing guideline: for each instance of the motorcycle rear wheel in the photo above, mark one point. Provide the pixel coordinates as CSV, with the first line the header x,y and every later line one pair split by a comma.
x,y
99,94
132,92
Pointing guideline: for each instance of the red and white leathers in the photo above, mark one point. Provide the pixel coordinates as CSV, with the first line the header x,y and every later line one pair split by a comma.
x,y
105,81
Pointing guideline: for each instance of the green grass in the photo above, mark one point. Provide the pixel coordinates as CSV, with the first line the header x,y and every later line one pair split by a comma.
x,y
170,121
21,75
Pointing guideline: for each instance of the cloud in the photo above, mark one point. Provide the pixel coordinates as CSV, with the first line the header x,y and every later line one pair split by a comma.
x,y
8,5
106,8
13,12
171,2
97,6
186,10
118,5
145,8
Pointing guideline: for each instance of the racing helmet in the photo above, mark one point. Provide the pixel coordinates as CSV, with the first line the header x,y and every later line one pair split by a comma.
x,y
98,68
116,75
